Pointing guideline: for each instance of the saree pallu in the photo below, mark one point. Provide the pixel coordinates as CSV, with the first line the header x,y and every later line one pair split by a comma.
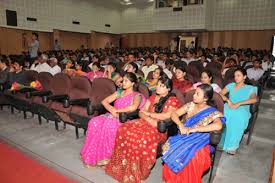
x,y
188,156
101,133
136,147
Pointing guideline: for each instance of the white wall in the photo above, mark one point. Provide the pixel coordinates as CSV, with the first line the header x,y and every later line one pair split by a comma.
x,y
244,14
59,14
217,15
137,19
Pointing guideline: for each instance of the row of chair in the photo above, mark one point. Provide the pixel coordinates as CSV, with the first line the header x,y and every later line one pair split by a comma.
x,y
71,100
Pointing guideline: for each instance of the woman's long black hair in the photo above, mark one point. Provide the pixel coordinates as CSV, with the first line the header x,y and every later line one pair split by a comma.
x,y
244,73
169,84
133,78
209,74
208,93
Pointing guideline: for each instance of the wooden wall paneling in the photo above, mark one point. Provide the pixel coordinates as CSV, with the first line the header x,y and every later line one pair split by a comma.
x,y
155,39
147,40
139,40
234,39
216,39
204,39
242,41
132,40
164,40
222,38
227,38
73,40
124,41
210,39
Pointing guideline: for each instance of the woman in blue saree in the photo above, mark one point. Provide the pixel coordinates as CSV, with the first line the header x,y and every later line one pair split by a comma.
x,y
237,110
187,155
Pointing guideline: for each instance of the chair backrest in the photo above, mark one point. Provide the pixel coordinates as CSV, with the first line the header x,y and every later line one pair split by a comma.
x,y
45,78
61,84
194,72
101,88
197,64
30,76
142,88
214,66
219,81
179,95
81,88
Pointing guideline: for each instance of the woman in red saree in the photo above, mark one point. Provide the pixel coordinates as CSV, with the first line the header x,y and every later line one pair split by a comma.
x,y
179,81
136,141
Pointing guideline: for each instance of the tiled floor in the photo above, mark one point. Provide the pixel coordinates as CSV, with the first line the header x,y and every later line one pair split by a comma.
x,y
60,150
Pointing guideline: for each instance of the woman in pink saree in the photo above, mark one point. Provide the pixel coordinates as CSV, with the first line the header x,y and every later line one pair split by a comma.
x,y
101,133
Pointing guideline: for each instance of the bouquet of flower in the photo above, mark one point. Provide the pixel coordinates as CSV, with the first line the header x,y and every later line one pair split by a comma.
x,y
16,86
36,85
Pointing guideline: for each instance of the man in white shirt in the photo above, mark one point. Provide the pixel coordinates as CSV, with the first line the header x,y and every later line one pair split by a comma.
x,y
54,67
189,57
41,64
149,66
266,64
131,58
162,60
255,73
169,69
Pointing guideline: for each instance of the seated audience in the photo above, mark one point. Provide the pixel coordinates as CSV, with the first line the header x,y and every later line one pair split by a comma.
x,y
266,63
110,70
169,69
189,57
227,64
179,82
133,68
69,68
187,155
95,73
207,78
136,142
256,72
78,70
40,64
152,83
236,110
4,72
101,133
149,66
16,73
54,66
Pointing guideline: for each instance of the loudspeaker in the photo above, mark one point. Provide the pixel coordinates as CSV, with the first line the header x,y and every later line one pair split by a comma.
x,y
11,17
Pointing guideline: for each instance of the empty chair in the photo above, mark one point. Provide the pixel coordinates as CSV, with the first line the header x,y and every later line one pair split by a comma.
x,y
88,104
52,105
17,98
194,72
45,79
